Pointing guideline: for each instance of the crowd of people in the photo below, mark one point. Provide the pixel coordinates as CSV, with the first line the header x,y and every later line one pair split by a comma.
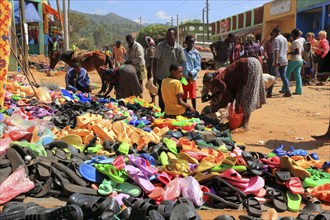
x,y
238,75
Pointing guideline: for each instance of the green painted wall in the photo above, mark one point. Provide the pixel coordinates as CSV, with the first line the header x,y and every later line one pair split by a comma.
x,y
302,4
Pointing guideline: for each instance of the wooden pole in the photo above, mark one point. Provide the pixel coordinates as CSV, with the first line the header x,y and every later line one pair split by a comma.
x,y
24,43
59,13
66,27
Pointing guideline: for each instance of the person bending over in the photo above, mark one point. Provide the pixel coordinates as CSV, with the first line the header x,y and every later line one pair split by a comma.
x,y
172,93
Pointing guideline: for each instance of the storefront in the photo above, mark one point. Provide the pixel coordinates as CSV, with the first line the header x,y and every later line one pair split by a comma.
x,y
313,16
280,13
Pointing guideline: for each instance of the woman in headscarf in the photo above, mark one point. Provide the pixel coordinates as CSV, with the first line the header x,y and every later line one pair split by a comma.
x,y
123,79
241,81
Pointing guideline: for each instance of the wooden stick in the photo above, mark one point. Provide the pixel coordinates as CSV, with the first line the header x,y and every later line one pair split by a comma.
x,y
19,62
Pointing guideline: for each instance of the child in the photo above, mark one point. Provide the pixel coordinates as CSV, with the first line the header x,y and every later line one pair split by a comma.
x,y
172,93
190,70
307,56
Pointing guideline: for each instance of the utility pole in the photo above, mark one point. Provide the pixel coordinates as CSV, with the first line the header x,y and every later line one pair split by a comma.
x,y
178,30
203,26
140,21
207,20
171,21
66,27
23,32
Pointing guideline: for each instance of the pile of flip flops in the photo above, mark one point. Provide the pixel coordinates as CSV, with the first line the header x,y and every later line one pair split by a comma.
x,y
120,159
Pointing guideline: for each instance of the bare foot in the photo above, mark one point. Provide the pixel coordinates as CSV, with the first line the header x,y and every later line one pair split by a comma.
x,y
324,138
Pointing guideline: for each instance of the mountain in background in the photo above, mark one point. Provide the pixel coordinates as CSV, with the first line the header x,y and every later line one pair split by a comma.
x,y
91,31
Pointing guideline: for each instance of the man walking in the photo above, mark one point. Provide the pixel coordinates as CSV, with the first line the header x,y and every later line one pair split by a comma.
x,y
135,57
280,63
167,52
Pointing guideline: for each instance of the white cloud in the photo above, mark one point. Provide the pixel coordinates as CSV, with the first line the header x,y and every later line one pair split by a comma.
x,y
162,15
137,20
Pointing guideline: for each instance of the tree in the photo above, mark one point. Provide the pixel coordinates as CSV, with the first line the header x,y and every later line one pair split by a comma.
x,y
195,21
156,32
99,37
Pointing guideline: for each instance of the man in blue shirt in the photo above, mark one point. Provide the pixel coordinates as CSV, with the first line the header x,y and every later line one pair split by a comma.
x,y
191,68
77,79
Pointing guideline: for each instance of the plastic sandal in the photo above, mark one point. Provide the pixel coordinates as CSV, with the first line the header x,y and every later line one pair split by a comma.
x,y
295,186
109,170
143,164
287,163
231,174
254,165
294,201
253,207
294,152
124,148
140,178
314,181
279,151
128,188
171,145
322,192
105,188
224,167
278,199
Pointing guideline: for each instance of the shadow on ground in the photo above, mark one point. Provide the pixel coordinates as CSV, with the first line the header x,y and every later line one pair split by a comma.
x,y
305,145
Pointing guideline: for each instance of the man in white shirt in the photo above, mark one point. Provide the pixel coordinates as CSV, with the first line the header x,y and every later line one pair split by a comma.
x,y
135,57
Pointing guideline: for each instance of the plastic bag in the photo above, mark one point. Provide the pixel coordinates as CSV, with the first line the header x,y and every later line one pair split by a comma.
x,y
191,189
172,190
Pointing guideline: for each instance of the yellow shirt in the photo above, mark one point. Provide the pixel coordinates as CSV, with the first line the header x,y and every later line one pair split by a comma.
x,y
108,53
170,89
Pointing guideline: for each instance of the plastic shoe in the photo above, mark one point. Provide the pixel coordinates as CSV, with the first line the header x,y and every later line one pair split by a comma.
x,y
171,145
279,151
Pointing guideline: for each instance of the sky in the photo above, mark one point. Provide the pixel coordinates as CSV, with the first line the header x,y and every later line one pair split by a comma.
x,y
161,11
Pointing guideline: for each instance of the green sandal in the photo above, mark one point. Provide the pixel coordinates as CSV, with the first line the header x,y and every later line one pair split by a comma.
x,y
171,145
105,188
224,167
293,201
109,170
128,188
124,148
163,158
37,149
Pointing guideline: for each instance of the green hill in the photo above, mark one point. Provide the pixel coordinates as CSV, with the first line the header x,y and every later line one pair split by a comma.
x,y
91,31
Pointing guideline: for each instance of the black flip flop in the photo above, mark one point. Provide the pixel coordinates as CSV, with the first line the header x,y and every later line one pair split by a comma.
x,y
283,176
65,212
5,173
253,164
69,188
247,217
220,181
70,173
310,211
4,162
155,215
16,160
253,207
322,216
219,202
278,199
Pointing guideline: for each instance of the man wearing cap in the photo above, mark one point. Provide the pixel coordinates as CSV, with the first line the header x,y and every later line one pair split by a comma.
x,y
222,51
119,53
77,79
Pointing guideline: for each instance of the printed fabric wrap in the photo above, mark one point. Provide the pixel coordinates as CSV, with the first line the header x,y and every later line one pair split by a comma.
x,y
5,22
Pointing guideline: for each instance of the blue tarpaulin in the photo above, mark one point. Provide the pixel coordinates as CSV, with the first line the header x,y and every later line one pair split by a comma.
x,y
31,13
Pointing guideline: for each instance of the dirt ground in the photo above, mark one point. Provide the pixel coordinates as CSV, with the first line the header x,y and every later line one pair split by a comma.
x,y
288,121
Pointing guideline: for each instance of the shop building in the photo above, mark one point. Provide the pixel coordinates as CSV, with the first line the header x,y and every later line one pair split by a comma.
x,y
313,16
